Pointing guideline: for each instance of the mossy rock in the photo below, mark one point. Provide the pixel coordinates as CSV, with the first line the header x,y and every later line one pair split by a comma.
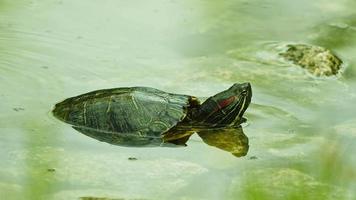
x,y
318,61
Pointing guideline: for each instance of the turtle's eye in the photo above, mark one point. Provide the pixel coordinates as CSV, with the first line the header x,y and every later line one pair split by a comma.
x,y
244,93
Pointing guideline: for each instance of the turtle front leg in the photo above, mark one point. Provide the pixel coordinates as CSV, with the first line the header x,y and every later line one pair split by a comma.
x,y
181,141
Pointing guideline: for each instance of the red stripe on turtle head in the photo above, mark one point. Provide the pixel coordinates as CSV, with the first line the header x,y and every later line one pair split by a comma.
x,y
226,102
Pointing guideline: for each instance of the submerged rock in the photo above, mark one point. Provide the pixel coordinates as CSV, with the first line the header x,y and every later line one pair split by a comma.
x,y
317,60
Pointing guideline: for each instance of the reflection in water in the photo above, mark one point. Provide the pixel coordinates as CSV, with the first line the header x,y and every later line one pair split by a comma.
x,y
228,139
231,139
122,139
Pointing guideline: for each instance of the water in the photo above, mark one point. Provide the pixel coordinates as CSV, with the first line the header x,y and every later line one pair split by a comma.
x,y
301,129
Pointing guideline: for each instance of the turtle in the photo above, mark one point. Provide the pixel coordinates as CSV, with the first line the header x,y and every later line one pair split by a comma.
x,y
145,116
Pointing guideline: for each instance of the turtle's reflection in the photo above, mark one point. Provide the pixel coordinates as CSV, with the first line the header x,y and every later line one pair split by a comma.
x,y
231,139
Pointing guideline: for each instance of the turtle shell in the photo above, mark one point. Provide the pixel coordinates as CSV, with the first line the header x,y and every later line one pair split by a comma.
x,y
136,116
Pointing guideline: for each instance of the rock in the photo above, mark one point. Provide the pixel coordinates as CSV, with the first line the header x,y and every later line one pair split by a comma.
x,y
316,60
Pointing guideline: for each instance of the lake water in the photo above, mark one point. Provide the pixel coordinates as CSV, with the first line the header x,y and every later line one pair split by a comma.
x,y
301,129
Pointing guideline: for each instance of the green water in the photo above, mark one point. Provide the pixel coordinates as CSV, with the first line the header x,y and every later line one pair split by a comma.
x,y
301,129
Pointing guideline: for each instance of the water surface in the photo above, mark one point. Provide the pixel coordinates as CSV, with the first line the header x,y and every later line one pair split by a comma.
x,y
301,129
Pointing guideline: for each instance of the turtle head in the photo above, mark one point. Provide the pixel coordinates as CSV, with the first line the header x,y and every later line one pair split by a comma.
x,y
227,107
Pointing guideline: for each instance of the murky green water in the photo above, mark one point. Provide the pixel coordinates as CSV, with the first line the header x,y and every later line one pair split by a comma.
x,y
301,129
